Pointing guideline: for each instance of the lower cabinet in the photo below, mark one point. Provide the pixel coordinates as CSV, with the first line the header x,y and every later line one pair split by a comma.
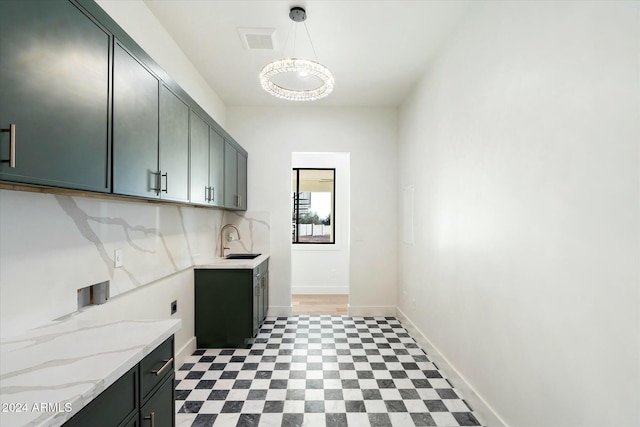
x,y
144,396
230,305
159,409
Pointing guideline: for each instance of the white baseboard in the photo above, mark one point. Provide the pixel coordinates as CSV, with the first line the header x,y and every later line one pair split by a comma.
x,y
186,351
485,414
319,290
279,311
372,310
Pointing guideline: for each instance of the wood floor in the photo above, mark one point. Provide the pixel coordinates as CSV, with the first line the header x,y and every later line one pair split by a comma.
x,y
320,304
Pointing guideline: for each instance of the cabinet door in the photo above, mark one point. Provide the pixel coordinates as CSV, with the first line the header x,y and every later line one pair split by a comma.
x,y
174,147
216,168
223,307
242,182
159,411
230,176
257,305
135,127
264,291
199,172
113,406
54,87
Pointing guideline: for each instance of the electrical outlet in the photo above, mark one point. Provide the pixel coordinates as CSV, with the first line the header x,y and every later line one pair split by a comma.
x,y
118,258
174,307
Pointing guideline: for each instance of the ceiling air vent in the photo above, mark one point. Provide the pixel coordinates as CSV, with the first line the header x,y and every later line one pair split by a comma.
x,y
258,38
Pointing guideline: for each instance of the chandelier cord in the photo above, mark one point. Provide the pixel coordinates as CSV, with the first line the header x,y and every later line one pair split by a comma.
x,y
286,40
310,41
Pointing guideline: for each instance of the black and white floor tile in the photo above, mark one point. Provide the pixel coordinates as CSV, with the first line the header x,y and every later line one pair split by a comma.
x,y
319,371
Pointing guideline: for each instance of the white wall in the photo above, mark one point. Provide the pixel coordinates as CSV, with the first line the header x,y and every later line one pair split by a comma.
x,y
522,144
324,269
270,135
143,27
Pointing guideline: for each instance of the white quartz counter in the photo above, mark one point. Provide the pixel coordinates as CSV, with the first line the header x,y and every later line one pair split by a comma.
x,y
48,374
222,263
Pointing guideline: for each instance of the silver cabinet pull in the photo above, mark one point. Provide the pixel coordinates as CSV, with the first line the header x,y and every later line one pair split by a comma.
x,y
166,182
212,197
12,145
167,363
206,194
151,417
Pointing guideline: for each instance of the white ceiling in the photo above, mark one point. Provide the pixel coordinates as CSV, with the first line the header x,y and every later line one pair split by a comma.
x,y
376,49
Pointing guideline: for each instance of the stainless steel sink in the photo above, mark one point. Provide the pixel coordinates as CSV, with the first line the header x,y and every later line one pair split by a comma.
x,y
242,256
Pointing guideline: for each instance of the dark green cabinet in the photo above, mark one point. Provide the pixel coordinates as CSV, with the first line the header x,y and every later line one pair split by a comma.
x,y
216,168
135,127
230,305
174,147
82,106
242,181
159,409
207,164
113,407
260,296
55,91
235,178
157,396
150,134
144,396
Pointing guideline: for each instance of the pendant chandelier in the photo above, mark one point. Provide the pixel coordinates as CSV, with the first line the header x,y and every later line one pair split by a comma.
x,y
297,79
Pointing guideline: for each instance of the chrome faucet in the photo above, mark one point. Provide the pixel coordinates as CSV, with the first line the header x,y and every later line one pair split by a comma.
x,y
222,248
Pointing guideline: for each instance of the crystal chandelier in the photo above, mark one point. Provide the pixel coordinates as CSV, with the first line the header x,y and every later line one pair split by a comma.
x,y
297,79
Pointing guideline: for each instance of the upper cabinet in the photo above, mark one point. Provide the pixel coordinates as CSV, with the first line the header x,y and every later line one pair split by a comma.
x,y
82,106
174,147
235,178
150,133
54,96
207,163
135,127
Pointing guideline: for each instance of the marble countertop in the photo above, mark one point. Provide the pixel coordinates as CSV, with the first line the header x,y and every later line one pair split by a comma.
x,y
49,373
221,263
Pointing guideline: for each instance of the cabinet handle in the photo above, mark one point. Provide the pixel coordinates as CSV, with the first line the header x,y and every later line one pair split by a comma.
x,y
12,145
151,417
167,363
166,182
212,197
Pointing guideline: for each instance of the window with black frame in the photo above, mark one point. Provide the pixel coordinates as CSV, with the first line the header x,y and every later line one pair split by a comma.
x,y
313,218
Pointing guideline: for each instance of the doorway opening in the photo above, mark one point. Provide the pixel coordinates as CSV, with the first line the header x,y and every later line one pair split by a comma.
x,y
334,304
320,233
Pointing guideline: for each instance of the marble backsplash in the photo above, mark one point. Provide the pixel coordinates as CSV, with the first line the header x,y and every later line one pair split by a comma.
x,y
51,245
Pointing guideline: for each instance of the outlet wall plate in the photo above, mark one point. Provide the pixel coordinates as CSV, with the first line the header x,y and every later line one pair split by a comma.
x,y
174,307
118,258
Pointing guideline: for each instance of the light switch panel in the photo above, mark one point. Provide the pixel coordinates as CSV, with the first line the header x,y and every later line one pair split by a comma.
x,y
118,258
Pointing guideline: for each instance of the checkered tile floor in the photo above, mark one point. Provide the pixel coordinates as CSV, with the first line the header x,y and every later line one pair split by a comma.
x,y
319,371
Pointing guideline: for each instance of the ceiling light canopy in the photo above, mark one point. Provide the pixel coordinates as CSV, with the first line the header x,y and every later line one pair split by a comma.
x,y
297,79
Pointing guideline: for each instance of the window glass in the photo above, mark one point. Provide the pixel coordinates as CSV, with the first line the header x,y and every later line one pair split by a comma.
x,y
313,192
